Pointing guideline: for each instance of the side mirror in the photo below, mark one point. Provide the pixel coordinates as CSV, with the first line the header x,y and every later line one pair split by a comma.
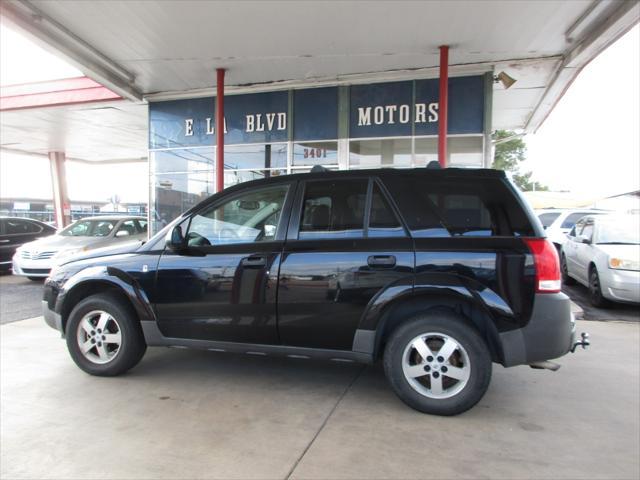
x,y
585,240
175,239
122,233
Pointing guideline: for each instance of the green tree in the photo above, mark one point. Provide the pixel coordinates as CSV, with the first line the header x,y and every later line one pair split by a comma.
x,y
510,151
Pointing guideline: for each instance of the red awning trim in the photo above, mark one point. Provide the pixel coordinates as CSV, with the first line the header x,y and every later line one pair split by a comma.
x,y
52,93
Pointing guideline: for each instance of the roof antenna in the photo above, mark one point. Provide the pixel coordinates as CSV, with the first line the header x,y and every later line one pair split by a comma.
x,y
433,165
318,168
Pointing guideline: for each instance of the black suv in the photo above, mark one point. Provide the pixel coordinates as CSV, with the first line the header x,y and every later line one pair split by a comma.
x,y
438,273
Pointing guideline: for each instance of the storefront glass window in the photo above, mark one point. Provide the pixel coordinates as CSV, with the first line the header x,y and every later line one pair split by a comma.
x,y
392,152
255,156
465,151
426,151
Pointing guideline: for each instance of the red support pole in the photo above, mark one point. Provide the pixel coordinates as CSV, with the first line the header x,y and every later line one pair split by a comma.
x,y
220,130
443,107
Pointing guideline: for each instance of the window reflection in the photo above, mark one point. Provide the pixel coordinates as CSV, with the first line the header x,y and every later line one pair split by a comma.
x,y
183,160
174,193
255,156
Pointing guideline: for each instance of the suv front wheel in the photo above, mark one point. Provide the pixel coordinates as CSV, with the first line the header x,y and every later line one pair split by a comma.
x,y
438,363
104,337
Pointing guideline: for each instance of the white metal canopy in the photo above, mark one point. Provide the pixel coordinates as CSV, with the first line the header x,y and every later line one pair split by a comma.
x,y
146,50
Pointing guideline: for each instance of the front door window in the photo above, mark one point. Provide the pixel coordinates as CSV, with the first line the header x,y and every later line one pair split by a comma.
x,y
247,218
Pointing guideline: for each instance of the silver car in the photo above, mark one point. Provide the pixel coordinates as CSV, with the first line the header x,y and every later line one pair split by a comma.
x,y
602,252
35,259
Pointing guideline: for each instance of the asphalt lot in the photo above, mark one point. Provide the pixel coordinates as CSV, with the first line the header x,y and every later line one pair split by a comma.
x,y
616,312
19,298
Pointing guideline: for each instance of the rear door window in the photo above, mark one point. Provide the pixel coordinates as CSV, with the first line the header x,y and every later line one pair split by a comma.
x,y
383,222
333,209
452,207
19,226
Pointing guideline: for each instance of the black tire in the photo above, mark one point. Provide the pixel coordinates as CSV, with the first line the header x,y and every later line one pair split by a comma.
x,y
564,269
36,279
132,346
595,290
452,325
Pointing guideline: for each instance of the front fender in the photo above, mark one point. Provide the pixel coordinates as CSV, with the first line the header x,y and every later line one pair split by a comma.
x,y
93,277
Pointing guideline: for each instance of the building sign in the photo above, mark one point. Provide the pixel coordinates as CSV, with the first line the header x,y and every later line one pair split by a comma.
x,y
402,109
397,109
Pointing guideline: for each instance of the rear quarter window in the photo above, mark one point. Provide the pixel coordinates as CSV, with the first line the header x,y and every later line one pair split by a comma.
x,y
452,207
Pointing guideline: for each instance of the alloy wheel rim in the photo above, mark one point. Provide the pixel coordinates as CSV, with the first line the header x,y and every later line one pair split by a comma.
x,y
436,365
99,337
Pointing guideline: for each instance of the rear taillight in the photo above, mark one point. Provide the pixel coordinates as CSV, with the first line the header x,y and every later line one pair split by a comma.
x,y
547,264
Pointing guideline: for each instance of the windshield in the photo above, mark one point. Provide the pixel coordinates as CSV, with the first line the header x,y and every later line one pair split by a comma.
x,y
621,231
89,228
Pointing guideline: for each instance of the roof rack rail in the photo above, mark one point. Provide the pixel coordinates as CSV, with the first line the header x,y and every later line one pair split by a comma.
x,y
318,168
434,165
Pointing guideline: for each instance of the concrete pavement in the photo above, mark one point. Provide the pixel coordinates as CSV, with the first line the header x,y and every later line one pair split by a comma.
x,y
191,414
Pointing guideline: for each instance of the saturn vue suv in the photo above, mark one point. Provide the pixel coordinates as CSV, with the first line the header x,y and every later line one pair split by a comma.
x,y
437,273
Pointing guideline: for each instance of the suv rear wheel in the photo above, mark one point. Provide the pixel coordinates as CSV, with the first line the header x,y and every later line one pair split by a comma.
x,y
104,337
437,363
595,290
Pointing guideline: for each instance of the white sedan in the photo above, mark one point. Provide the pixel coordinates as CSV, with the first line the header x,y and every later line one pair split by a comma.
x,y
35,259
603,253
558,223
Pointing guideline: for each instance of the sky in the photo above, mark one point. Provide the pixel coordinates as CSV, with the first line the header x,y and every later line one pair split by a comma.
x,y
589,144
17,53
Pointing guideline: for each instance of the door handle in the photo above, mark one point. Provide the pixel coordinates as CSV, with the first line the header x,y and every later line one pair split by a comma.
x,y
382,261
5,241
253,261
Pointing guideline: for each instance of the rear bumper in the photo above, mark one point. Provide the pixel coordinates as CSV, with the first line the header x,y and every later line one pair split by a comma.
x,y
549,334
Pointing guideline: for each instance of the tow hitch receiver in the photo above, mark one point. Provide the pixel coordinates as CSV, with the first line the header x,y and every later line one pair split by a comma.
x,y
584,343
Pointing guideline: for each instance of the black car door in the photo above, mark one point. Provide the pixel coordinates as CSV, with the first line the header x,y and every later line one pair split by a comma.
x,y
345,243
15,232
223,286
5,249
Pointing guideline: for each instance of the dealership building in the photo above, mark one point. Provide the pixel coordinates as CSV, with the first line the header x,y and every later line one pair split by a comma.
x,y
365,125
343,85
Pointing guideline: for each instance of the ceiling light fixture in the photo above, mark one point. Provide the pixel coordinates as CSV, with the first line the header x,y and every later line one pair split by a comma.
x,y
504,79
